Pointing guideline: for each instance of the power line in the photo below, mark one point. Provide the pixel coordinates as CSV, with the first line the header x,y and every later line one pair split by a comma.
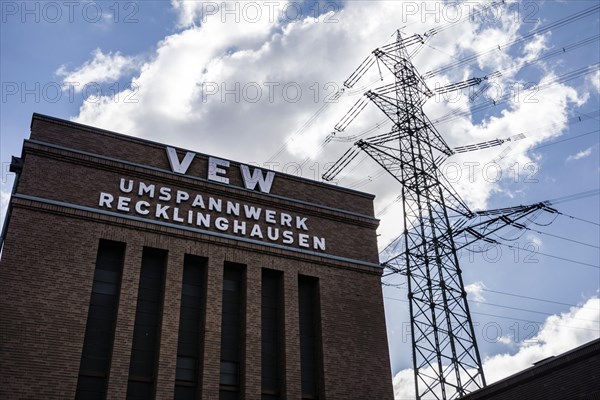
x,y
518,296
563,238
463,112
341,92
299,132
540,253
575,196
544,56
400,160
530,298
564,199
369,178
549,255
532,321
581,118
543,29
522,309
504,155
447,117
561,141
514,308
505,317
577,218
469,15
555,201
429,201
573,120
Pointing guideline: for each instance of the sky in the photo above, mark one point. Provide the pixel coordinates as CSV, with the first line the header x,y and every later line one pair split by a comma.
x,y
262,83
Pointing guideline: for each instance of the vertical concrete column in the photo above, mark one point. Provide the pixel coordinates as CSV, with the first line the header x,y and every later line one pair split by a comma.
x,y
119,368
211,367
292,336
252,363
167,361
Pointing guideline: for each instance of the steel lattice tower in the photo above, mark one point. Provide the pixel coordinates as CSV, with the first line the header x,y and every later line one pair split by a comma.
x,y
437,222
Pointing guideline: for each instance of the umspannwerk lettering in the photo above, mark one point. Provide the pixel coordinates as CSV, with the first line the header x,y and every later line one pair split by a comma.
x,y
213,213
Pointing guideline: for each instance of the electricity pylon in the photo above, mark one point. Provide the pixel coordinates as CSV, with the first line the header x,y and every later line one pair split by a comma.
x,y
446,360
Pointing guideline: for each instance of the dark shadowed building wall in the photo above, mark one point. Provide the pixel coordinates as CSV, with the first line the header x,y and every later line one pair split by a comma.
x,y
133,270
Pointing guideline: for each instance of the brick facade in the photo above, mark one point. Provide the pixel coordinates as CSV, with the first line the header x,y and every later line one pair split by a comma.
x,y
572,375
49,256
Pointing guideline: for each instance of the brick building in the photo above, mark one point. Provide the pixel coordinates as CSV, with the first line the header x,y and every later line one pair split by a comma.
x,y
574,375
134,270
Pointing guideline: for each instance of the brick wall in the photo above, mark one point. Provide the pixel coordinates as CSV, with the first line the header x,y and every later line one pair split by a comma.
x,y
48,261
573,375
105,143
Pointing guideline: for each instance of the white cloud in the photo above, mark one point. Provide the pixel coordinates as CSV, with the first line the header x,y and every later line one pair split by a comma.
x,y
534,48
101,68
558,334
494,168
197,91
174,101
4,199
475,291
581,154
187,11
488,37
197,12
404,388
219,82
594,80
533,240
506,340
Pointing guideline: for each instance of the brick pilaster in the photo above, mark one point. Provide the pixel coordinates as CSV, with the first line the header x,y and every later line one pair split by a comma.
x,y
165,381
292,336
252,381
119,370
212,334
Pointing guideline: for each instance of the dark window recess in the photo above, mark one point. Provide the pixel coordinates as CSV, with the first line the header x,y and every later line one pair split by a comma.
x,y
272,333
101,321
231,332
191,334
146,331
310,337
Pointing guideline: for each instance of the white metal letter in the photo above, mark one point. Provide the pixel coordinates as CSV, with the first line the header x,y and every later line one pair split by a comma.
x,y
176,166
214,169
251,179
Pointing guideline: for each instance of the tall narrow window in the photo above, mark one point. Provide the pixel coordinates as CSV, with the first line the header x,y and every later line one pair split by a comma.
x,y
191,334
310,337
101,321
272,332
231,332
144,350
